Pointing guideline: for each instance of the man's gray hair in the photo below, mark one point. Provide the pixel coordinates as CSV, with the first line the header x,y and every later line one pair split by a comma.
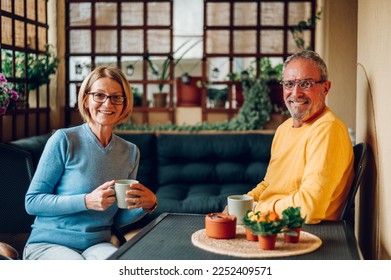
x,y
312,56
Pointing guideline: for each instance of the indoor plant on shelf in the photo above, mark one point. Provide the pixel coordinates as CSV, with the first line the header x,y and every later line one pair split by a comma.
x,y
253,115
163,74
39,69
267,226
293,224
217,97
241,80
137,97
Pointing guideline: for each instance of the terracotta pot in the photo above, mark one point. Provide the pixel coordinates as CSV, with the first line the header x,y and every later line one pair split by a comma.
x,y
220,226
160,99
239,94
291,238
188,95
267,242
250,236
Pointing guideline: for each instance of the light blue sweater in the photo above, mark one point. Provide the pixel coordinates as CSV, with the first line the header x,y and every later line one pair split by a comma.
x,y
73,164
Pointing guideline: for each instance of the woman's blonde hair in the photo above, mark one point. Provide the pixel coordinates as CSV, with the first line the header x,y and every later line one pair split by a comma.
x,y
105,72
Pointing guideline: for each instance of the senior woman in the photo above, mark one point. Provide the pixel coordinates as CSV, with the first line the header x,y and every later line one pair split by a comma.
x,y
70,192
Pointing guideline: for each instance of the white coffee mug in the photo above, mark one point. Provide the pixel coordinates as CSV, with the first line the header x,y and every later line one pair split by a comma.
x,y
120,187
238,205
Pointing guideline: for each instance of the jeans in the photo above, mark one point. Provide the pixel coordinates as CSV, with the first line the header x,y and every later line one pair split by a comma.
x,y
49,251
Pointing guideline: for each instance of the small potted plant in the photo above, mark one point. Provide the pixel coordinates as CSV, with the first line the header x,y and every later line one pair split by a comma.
x,y
7,95
248,221
217,97
163,74
293,224
137,97
267,227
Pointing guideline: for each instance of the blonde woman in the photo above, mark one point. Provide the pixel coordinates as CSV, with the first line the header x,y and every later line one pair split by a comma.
x,y
70,193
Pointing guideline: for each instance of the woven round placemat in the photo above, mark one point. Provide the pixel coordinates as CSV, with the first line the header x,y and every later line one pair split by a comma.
x,y
241,247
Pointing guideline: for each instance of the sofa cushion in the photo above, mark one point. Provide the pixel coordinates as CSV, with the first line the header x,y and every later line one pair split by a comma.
x,y
196,172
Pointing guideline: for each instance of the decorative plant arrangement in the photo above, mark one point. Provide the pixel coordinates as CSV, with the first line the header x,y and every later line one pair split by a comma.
x,y
266,226
7,95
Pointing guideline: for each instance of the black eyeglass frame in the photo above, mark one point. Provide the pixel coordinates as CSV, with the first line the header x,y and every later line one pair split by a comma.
x,y
111,97
300,84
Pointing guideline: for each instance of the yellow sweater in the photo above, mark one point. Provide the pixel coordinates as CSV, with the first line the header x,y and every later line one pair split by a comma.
x,y
310,167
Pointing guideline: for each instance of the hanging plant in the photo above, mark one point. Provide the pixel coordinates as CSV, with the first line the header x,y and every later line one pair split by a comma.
x,y
297,31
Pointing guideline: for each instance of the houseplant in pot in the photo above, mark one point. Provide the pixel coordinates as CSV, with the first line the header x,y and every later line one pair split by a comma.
x,y
267,227
248,221
293,224
163,74
217,97
241,80
137,97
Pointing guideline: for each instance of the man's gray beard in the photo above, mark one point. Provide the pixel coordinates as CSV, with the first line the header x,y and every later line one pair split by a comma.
x,y
298,116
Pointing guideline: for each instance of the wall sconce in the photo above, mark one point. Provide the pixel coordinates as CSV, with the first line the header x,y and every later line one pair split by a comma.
x,y
130,70
78,69
186,78
215,73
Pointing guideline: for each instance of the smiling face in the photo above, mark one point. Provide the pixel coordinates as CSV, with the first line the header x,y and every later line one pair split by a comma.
x,y
104,114
304,104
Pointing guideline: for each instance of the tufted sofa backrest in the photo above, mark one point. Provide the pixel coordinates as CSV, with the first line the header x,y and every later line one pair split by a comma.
x,y
196,172
146,142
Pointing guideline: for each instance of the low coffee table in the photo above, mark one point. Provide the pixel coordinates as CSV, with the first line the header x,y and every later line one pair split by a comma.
x,y
168,237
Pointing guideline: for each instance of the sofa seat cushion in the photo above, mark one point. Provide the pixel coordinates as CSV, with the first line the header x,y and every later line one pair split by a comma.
x,y
196,198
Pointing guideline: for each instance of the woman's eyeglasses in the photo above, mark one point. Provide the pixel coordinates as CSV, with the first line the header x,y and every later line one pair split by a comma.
x,y
101,98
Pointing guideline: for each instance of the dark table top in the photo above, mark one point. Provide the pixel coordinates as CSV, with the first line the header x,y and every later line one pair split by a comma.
x,y
169,238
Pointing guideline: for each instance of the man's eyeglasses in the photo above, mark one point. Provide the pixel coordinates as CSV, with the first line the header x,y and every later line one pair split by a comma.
x,y
303,84
101,98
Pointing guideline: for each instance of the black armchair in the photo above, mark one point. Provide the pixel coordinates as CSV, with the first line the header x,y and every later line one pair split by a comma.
x,y
16,172
360,162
